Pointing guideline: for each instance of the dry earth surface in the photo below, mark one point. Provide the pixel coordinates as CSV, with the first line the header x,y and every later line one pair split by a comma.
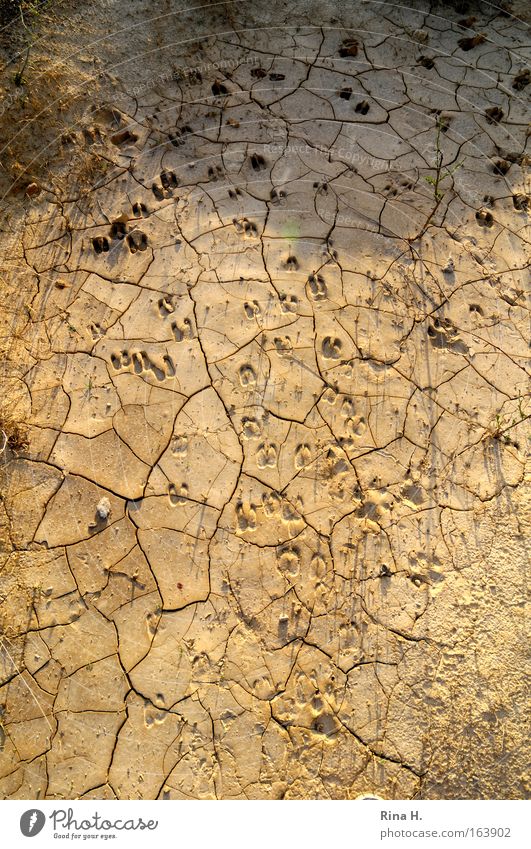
x,y
265,326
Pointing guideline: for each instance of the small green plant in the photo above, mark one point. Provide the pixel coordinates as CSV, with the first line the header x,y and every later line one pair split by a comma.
x,y
501,426
441,172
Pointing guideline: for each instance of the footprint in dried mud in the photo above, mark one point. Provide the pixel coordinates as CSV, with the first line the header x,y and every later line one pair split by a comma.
x,y
118,229
501,167
522,79
177,496
426,62
494,115
166,306
291,263
521,202
168,182
484,218
362,107
443,334
289,303
356,426
245,227
251,428
181,134
179,445
141,363
289,561
246,517
215,172
303,456
271,502
123,138
137,241
140,210
252,309
100,244
469,43
331,348
258,162
345,93
277,196
267,455
183,331
283,346
317,287
219,89
349,48
247,376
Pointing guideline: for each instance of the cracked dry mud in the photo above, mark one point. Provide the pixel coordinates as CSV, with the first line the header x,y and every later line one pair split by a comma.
x,y
267,536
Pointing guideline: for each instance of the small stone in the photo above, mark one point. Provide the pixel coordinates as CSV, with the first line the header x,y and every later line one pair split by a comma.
x,y
103,510
32,190
449,267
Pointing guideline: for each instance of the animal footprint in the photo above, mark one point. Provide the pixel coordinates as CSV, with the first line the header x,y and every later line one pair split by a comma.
x,y
522,79
246,516
140,210
331,348
494,115
266,456
289,561
347,408
271,502
137,241
278,196
179,445
252,310
303,456
185,331
166,306
521,202
289,303
123,137
356,426
291,264
283,346
178,138
219,88
141,363
177,496
118,229
245,227
363,107
251,428
317,287
484,218
168,182
247,376
349,48
215,172
100,244
258,162
469,43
